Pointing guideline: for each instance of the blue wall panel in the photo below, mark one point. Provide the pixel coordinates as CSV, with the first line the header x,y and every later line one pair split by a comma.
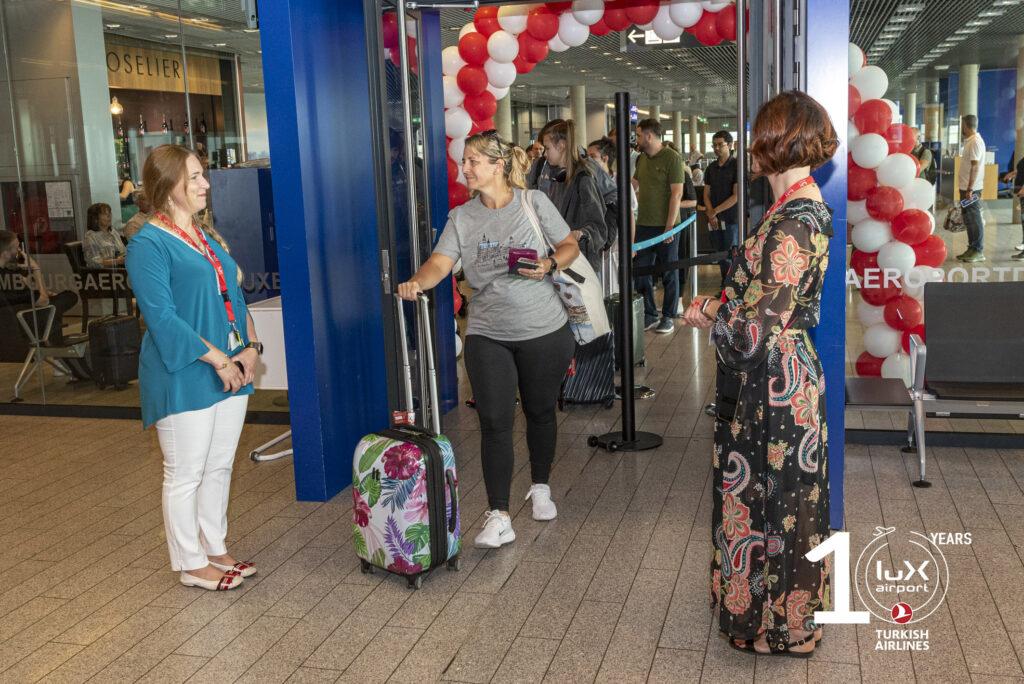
x,y
828,23
315,71
997,101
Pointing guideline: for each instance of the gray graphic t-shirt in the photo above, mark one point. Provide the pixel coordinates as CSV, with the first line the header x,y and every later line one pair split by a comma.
x,y
505,307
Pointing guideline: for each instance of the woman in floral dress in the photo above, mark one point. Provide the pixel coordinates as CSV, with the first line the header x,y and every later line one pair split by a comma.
x,y
771,497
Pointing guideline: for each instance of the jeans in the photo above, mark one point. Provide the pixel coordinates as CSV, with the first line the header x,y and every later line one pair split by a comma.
x,y
661,253
495,368
974,225
722,240
1022,218
199,453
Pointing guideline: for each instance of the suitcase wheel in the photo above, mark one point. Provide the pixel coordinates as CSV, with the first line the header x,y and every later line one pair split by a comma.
x,y
415,582
592,441
642,364
613,446
454,564
365,567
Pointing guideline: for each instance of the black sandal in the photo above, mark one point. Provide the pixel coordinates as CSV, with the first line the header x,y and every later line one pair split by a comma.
x,y
747,647
783,649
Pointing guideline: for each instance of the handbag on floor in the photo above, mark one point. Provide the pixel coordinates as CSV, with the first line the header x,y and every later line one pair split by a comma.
x,y
577,286
405,490
591,375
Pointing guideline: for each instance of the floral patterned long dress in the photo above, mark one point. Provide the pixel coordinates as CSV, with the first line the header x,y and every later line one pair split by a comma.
x,y
771,498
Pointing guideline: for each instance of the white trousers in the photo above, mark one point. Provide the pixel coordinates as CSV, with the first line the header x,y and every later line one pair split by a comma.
x,y
199,453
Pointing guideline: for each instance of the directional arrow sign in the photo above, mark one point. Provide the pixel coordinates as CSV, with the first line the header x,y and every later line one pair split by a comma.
x,y
635,35
641,41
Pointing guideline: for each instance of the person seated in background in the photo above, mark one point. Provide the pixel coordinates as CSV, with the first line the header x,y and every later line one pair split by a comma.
x,y
102,246
21,285
136,222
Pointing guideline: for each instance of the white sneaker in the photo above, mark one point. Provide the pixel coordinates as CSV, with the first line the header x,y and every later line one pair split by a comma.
x,y
497,531
1020,247
543,506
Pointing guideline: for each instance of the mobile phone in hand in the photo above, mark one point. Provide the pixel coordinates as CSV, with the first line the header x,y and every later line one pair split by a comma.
x,y
527,264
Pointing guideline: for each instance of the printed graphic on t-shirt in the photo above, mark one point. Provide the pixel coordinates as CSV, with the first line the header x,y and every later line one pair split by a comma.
x,y
488,253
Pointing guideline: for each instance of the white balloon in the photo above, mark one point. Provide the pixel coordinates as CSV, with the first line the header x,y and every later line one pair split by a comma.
x,y
918,194
917,277
869,150
512,18
649,26
556,45
500,74
869,314
572,32
856,59
896,170
882,341
898,256
871,82
453,95
685,13
895,109
457,123
588,12
456,149
851,133
498,93
664,26
502,46
856,211
468,28
451,61
870,235
897,366
712,6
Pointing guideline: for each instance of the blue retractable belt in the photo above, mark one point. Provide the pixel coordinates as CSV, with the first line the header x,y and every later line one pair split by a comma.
x,y
664,236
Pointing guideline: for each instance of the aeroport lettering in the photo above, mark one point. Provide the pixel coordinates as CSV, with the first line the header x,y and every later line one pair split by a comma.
x,y
890,277
143,65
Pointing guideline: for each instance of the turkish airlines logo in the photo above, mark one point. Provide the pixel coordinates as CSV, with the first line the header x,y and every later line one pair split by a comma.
x,y
901,579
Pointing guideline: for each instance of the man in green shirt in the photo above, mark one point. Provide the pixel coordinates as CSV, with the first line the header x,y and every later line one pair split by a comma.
x,y
658,181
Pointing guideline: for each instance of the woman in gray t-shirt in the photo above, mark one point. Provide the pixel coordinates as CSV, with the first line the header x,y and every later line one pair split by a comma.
x,y
518,334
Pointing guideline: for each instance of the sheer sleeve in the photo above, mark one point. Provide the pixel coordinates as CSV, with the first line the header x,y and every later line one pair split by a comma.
x,y
747,328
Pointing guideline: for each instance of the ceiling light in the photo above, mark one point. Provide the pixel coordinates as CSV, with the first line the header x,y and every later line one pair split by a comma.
x,y
963,31
113,26
1006,3
248,30
940,67
219,44
170,35
979,22
992,13
902,19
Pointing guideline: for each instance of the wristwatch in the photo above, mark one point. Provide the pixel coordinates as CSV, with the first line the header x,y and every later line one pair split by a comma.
x,y
258,346
554,264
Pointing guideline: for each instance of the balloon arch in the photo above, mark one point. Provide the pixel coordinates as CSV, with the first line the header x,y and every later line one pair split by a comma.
x,y
502,42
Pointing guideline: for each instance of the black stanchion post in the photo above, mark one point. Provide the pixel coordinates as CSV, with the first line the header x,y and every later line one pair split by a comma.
x,y
628,439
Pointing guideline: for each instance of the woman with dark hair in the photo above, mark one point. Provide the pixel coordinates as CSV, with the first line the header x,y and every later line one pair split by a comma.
x,y
770,491
573,190
103,247
196,364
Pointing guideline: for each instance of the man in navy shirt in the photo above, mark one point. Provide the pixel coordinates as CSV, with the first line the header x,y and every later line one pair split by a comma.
x,y
1017,176
721,196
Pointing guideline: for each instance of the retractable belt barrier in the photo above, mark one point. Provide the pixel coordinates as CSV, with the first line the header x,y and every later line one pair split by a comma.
x,y
682,263
651,242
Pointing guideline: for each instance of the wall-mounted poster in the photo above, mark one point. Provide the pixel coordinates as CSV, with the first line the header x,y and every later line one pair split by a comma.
x,y
58,200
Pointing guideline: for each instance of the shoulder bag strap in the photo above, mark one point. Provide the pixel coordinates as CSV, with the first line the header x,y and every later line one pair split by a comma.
x,y
531,214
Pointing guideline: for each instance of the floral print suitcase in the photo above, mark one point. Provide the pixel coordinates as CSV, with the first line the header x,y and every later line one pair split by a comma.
x,y
405,490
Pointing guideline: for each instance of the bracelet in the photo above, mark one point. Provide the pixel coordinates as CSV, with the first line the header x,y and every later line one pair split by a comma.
x,y
703,309
223,366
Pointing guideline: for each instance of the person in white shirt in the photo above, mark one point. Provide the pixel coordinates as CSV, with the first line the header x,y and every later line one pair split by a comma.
x,y
970,181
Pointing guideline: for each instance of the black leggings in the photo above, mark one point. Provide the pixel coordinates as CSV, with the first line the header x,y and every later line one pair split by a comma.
x,y
495,369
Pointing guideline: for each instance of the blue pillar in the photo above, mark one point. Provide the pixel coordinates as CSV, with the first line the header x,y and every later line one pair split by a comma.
x,y
325,190
828,33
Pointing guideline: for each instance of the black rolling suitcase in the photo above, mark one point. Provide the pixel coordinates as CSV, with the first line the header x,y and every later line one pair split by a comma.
x,y
114,343
591,376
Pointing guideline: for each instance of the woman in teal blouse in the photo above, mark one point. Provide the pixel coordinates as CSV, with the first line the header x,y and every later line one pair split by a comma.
x,y
196,364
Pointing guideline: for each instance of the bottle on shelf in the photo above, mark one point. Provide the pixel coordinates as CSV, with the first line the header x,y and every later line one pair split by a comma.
x,y
120,129
163,126
202,124
142,125
186,124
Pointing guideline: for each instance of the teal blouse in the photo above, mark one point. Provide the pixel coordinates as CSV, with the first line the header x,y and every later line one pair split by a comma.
x,y
177,292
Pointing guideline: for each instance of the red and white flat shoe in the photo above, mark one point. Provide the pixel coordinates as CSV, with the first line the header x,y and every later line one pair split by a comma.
x,y
242,568
230,580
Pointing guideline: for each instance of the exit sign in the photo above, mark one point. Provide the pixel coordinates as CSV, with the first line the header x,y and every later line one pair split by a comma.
x,y
638,40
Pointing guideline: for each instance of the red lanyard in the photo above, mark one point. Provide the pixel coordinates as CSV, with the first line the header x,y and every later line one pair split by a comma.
x,y
222,283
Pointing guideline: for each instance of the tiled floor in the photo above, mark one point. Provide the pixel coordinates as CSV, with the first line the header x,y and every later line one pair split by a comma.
x,y
614,590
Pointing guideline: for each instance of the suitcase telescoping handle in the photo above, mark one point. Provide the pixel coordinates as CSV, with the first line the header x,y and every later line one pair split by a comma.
x,y
408,415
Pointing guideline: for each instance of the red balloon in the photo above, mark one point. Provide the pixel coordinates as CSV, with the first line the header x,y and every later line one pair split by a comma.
x,y
389,26
884,203
903,313
559,7
414,61
486,20
854,100
641,12
395,56
531,49
930,252
472,80
601,28
480,106
705,29
453,170
869,366
725,23
615,18
912,226
882,290
542,23
457,194
483,125
862,261
901,138
916,330
473,48
523,66
858,181
873,116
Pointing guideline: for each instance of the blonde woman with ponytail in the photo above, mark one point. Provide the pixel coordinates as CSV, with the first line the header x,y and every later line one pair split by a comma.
x,y
518,336
196,364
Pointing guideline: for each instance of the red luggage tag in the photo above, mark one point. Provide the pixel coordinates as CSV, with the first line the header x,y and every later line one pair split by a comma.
x,y
403,417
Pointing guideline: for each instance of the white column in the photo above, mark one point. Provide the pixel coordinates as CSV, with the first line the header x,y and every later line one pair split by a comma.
x,y
910,108
677,130
503,117
1019,121
932,121
655,112
578,111
693,133
968,86
703,137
